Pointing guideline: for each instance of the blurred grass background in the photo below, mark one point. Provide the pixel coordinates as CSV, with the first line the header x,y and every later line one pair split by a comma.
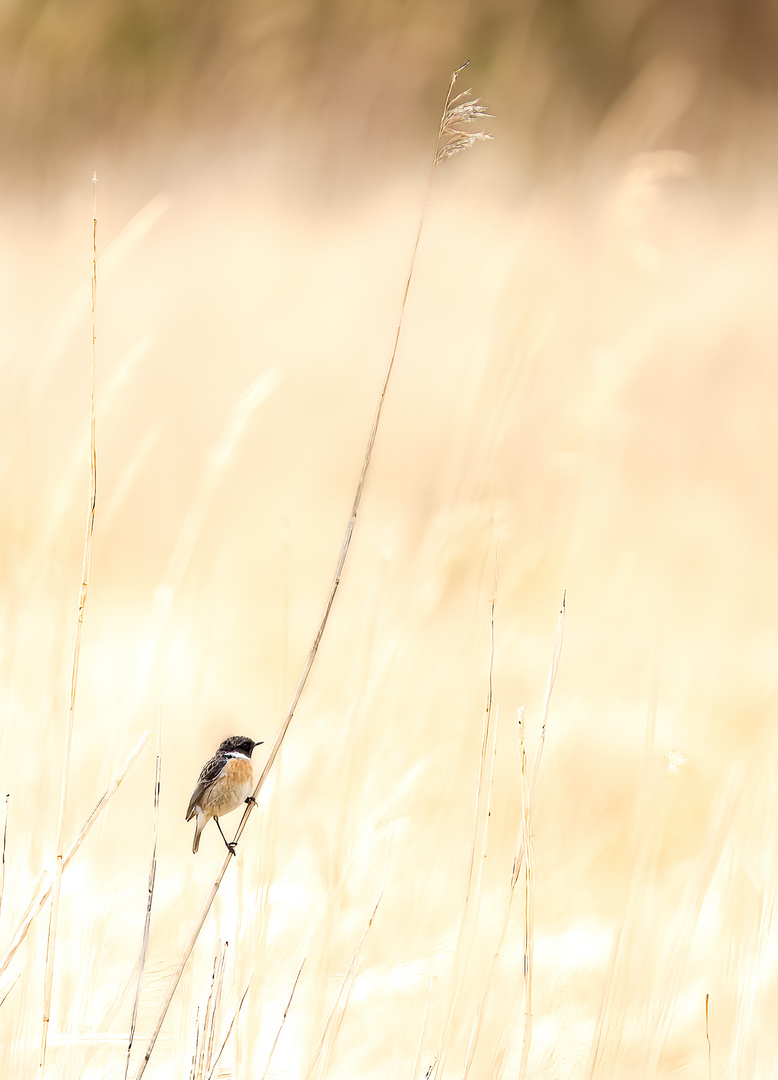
x,y
697,74
586,377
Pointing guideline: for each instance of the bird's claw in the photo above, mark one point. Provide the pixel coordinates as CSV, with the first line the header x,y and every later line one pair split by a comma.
x,y
251,801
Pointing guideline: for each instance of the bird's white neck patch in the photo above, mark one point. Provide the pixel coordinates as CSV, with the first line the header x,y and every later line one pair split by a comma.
x,y
236,754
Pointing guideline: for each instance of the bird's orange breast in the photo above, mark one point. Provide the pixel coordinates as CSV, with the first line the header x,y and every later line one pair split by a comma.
x,y
230,788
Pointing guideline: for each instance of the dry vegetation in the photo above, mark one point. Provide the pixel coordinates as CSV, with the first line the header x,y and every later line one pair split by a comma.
x,y
585,381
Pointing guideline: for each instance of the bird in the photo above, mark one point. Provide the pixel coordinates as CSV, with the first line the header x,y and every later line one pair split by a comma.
x,y
225,782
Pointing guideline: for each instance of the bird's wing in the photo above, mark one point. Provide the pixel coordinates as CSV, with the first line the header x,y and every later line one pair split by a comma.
x,y
211,771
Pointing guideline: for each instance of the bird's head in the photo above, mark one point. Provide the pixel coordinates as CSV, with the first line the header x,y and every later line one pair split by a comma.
x,y
238,744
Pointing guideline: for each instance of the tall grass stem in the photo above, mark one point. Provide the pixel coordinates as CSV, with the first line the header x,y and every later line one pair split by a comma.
x,y
144,948
335,1017
529,922
463,940
213,1010
86,565
283,1018
423,1032
176,977
41,893
235,1016
707,1035
2,863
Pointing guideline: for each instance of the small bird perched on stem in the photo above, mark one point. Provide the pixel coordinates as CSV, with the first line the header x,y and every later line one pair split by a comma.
x,y
226,781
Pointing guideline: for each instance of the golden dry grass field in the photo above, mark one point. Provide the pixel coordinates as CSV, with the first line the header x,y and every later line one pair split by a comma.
x,y
584,389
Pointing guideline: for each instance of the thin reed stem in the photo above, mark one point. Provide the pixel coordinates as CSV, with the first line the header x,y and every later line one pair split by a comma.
x,y
34,905
478,1017
232,1024
459,962
10,988
217,1003
528,905
152,878
707,1037
444,134
552,673
498,1058
485,735
193,1070
475,1030
283,1018
190,532
2,863
86,565
41,895
215,1010
207,1017
644,851
422,1033
342,995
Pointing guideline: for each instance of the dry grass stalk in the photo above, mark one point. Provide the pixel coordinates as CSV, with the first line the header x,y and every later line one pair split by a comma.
x,y
677,950
34,905
485,736
219,457
87,562
340,866
671,960
232,1024
247,955
111,257
2,863
208,1016
475,1027
112,390
246,1034
193,1070
208,484
464,937
422,1033
41,894
200,1033
437,158
613,1005
611,1016
335,1018
498,1058
217,975
459,110
10,988
283,1018
490,789
528,904
707,1036
215,1010
552,673
475,1030
152,877
521,847
195,933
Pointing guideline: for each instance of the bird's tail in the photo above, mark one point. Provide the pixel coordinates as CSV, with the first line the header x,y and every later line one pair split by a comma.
x,y
200,824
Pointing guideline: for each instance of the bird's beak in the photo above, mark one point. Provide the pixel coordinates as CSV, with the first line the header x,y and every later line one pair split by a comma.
x,y
258,743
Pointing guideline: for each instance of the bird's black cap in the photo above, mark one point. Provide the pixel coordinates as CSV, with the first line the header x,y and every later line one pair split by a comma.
x,y
238,744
